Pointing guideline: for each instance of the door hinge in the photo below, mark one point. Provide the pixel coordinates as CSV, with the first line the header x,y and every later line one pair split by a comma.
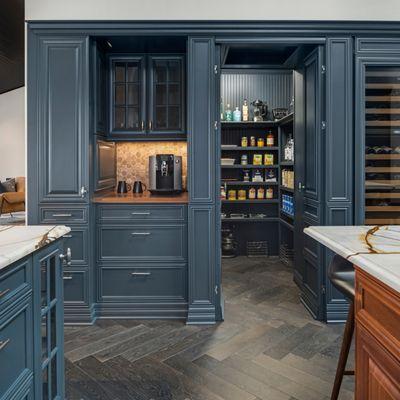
x,y
215,69
323,289
323,69
216,289
323,125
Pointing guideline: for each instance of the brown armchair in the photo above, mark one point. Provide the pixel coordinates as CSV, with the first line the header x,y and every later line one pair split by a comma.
x,y
13,201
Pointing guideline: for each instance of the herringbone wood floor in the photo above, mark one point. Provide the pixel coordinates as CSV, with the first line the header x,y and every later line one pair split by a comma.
x,y
268,348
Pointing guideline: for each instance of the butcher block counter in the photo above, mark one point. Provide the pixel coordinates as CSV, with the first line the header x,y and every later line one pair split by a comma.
x,y
375,254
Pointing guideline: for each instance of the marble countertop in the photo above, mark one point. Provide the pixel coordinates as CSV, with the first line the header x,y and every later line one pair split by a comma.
x,y
373,249
17,242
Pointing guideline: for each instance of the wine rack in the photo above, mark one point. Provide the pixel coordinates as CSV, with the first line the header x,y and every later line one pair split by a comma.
x,y
382,145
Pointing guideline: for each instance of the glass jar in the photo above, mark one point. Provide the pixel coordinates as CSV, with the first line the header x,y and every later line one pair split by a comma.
x,y
244,142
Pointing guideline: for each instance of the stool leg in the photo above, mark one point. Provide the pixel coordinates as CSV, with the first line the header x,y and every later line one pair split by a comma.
x,y
344,352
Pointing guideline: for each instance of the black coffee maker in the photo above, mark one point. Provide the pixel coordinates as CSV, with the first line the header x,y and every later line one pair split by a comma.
x,y
165,174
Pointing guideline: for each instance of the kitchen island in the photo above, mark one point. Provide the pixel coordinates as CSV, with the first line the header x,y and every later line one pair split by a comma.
x,y
31,312
375,254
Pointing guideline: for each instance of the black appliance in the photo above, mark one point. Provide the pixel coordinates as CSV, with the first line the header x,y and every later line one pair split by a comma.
x,y
165,174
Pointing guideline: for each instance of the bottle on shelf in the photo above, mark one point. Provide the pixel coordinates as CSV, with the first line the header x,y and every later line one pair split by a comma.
x,y
237,115
245,110
270,139
244,142
252,193
260,193
288,150
260,142
228,113
269,193
252,141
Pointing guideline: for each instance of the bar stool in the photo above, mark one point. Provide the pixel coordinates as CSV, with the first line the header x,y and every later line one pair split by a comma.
x,y
341,274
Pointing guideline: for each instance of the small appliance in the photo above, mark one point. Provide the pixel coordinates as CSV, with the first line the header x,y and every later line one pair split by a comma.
x,y
165,174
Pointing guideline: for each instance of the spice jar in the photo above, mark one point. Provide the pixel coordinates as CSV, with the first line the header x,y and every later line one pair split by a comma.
x,y
245,141
260,142
241,194
269,194
231,194
252,193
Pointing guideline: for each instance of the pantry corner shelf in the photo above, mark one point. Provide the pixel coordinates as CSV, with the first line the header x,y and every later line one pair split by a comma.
x,y
249,148
249,166
251,201
243,183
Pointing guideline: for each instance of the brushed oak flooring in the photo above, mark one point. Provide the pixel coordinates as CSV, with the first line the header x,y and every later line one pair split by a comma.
x,y
268,348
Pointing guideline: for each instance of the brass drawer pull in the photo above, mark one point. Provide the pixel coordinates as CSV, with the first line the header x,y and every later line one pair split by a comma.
x,y
141,213
141,233
62,215
67,278
140,273
4,343
4,292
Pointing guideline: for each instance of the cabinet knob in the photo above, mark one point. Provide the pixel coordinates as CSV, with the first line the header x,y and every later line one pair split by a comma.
x,y
67,257
83,191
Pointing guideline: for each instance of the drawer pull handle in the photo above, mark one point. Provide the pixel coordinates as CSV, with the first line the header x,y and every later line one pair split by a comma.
x,y
141,213
140,273
67,278
140,233
62,215
4,292
68,236
67,257
4,343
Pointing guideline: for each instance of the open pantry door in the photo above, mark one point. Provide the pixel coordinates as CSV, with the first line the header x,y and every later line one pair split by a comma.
x,y
309,126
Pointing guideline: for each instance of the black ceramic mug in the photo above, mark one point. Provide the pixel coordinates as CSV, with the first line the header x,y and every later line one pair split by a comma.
x,y
123,187
138,187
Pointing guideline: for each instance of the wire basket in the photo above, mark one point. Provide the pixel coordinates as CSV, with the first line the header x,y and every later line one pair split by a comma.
x,y
257,249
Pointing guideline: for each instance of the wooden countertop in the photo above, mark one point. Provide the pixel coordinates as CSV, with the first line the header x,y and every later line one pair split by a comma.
x,y
146,197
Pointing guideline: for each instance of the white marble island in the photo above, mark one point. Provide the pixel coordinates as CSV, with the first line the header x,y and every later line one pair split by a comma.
x,y
375,254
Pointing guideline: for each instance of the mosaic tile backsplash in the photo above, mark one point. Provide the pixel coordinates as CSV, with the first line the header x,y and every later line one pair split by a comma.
x,y
133,159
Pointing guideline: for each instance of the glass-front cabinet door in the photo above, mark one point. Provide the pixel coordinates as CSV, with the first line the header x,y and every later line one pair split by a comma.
x,y
378,117
49,357
127,94
166,95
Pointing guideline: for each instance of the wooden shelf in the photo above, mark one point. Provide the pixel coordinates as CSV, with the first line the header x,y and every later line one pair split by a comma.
x,y
382,221
250,148
382,208
382,184
382,111
242,183
382,195
382,169
390,99
248,166
253,201
382,156
382,86
382,123
266,219
287,189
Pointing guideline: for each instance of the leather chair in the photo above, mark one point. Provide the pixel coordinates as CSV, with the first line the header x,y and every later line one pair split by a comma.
x,y
342,275
13,201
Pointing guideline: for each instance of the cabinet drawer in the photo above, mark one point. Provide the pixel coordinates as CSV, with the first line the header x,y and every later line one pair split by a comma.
x,y
78,241
56,215
14,282
75,287
142,213
15,348
155,284
143,242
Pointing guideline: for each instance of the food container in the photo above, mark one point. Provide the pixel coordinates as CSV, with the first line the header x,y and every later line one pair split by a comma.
x,y
241,194
257,159
260,142
244,142
246,175
252,193
269,193
268,159
231,194
252,141
243,159
260,193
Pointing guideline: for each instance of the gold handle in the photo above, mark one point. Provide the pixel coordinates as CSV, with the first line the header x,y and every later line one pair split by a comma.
x,y
4,343
4,292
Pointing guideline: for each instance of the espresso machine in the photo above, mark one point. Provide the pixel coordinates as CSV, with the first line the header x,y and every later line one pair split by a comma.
x,y
165,174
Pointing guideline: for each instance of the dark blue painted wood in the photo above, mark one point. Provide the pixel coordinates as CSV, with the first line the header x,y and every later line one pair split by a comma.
x,y
99,90
104,165
339,164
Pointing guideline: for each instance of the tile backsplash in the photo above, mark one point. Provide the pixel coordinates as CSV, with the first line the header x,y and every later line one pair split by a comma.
x,y
133,159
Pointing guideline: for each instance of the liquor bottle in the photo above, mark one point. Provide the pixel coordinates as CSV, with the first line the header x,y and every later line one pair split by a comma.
x,y
237,115
245,110
228,113
270,139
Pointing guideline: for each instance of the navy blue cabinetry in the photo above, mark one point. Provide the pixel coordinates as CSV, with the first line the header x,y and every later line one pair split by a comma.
x,y
142,261
31,327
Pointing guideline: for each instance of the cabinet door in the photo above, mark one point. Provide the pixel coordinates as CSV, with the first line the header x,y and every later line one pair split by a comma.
x,y
127,96
377,371
49,319
166,96
62,101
